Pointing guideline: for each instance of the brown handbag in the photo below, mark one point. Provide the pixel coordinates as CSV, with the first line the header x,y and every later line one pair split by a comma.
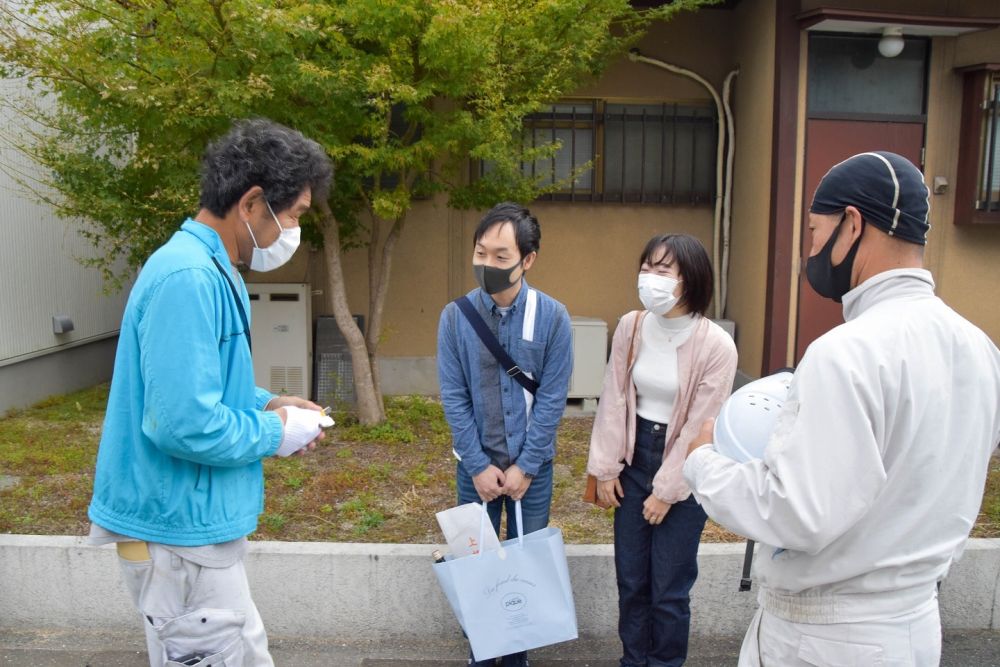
x,y
590,492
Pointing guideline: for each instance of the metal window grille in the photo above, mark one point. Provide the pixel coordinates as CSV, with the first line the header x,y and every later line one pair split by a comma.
x,y
988,198
640,153
575,127
662,153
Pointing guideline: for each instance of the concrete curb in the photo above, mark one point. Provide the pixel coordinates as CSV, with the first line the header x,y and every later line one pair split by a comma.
x,y
359,592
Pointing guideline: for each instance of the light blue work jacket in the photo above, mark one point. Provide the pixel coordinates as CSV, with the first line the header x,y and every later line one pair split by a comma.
x,y
185,431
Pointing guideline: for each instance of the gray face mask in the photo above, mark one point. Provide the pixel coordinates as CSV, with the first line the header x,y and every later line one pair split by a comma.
x,y
492,279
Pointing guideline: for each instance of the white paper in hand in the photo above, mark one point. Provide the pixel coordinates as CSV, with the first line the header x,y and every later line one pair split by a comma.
x,y
301,427
460,526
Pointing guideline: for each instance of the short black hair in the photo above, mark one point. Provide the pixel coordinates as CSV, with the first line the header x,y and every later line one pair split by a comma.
x,y
526,229
261,152
693,264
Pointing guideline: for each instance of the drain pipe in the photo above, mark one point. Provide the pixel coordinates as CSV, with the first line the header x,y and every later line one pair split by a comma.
x,y
636,56
727,201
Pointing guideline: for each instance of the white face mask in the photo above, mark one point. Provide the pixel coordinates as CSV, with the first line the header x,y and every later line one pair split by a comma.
x,y
657,292
279,252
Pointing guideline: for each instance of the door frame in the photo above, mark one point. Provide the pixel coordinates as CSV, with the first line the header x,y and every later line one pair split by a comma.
x,y
804,198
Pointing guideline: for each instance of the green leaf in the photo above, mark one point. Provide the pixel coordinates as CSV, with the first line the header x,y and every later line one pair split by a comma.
x,y
126,95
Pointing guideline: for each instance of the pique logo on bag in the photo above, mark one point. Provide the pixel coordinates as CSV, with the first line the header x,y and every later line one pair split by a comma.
x,y
514,602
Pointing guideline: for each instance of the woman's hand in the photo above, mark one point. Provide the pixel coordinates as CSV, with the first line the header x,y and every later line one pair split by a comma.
x,y
654,510
609,492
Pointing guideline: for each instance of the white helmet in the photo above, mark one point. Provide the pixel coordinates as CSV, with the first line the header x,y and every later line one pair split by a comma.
x,y
748,417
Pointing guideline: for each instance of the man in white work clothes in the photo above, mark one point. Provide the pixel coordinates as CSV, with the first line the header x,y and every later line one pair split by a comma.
x,y
874,474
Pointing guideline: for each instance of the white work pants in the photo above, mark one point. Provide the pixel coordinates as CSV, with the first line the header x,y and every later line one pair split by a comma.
x,y
911,640
195,615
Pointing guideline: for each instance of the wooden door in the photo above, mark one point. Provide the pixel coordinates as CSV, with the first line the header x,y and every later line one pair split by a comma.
x,y
827,143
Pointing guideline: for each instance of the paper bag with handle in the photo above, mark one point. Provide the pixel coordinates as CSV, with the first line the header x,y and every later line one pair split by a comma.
x,y
512,598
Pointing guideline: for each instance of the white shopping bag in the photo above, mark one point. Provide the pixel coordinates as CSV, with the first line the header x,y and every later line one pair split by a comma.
x,y
461,528
514,598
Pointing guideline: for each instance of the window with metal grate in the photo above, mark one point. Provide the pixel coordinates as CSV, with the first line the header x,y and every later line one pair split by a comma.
x,y
977,193
660,153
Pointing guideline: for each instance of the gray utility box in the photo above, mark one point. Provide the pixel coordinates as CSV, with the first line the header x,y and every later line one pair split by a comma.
x,y
279,327
590,355
333,374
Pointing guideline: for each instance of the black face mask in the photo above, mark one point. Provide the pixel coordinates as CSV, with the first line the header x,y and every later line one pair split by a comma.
x,y
830,281
492,279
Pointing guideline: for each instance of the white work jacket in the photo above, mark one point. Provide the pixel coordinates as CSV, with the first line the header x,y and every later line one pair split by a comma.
x,y
874,475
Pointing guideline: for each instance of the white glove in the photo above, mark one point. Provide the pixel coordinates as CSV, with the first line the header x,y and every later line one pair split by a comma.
x,y
301,427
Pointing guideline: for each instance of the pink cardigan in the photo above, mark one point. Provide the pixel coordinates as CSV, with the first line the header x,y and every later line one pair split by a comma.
x,y
706,363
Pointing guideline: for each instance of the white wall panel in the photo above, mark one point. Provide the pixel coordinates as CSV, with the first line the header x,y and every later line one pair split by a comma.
x,y
39,272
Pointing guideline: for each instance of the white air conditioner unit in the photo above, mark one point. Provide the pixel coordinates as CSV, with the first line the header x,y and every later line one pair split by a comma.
x,y
590,355
280,329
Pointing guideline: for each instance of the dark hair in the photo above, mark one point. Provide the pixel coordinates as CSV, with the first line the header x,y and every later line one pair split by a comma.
x,y
261,152
526,229
693,264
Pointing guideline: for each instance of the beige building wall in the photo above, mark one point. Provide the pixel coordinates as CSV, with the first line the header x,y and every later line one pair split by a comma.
x,y
753,105
699,41
418,285
589,255
963,258
589,252
589,258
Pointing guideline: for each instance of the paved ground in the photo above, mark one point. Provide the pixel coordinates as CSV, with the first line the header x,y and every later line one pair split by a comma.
x,y
79,649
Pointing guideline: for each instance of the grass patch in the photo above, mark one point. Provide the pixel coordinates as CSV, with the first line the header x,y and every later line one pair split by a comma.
x,y
57,436
371,484
273,522
988,522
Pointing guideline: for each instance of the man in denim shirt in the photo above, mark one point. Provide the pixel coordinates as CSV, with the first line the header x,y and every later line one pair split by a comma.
x,y
503,436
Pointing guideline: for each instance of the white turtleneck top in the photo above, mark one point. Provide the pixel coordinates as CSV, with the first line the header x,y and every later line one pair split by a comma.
x,y
655,371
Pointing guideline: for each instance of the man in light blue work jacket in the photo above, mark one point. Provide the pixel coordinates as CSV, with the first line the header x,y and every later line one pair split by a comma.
x,y
179,481
504,433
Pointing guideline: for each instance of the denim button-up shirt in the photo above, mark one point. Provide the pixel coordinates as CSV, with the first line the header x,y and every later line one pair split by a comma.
x,y
474,404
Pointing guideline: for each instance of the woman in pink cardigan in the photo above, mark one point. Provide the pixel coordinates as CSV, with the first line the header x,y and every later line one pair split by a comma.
x,y
670,369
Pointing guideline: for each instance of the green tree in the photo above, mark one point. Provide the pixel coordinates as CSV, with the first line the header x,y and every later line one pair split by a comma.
x,y
125,95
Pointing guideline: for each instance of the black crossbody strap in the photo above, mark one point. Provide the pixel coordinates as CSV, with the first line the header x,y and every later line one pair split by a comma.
x,y
239,303
493,345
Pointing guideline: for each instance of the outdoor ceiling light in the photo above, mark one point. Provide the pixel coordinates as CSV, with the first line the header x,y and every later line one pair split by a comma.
x,y
891,44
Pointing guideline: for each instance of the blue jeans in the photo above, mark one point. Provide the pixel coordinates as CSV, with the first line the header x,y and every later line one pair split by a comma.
x,y
656,566
534,512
